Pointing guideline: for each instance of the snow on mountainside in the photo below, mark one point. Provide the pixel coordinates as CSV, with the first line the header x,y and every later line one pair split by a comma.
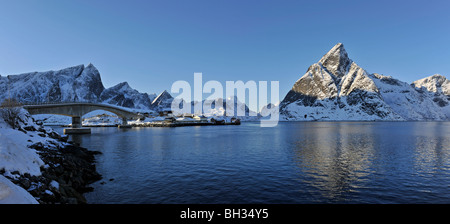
x,y
406,101
123,95
435,84
74,84
436,88
237,108
336,88
162,102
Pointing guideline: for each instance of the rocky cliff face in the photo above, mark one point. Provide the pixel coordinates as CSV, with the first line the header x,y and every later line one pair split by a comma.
x,y
123,95
162,102
436,88
78,83
75,84
336,88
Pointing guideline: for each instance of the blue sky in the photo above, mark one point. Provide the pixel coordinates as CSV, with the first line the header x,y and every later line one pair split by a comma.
x,y
152,44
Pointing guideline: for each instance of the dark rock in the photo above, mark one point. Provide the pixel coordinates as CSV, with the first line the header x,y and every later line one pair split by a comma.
x,y
440,102
37,146
29,128
391,81
72,167
302,99
25,183
54,135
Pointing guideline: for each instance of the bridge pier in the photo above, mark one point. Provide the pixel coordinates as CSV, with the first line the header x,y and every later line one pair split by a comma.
x,y
76,127
124,123
76,122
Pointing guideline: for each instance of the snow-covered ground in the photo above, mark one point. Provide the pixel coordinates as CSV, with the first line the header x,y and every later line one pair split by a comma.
x,y
98,117
13,194
16,158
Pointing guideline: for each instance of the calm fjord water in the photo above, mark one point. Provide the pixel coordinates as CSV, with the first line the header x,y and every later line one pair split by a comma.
x,y
295,162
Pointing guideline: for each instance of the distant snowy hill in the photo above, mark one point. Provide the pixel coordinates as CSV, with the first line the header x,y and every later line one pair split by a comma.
x,y
239,109
123,95
336,88
437,88
74,84
162,102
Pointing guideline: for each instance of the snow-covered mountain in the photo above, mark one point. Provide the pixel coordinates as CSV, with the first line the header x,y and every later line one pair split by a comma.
x,y
336,88
123,95
437,88
240,109
162,102
78,83
74,84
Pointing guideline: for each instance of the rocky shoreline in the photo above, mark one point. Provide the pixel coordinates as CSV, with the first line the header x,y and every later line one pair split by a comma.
x,y
65,178
65,171
66,175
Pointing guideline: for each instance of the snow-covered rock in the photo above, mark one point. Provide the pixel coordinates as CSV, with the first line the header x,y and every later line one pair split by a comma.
x,y
36,160
162,102
16,158
53,119
123,95
336,88
76,83
436,88
88,85
435,84
15,154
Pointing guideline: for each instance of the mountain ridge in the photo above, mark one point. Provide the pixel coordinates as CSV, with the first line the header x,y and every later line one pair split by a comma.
x,y
73,84
336,88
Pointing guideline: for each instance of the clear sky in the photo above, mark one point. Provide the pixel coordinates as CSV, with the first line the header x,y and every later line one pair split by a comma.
x,y
152,44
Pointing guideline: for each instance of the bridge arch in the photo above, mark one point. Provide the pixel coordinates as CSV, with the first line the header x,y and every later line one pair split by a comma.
x,y
77,110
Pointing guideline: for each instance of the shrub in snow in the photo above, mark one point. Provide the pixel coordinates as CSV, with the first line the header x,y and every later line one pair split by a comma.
x,y
9,112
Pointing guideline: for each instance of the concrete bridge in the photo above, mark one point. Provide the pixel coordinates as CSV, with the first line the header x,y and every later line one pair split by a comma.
x,y
77,110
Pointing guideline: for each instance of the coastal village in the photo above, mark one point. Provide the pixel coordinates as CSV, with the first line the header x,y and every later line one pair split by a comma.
x,y
168,119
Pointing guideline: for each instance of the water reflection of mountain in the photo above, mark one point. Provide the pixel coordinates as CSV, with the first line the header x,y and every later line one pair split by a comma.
x,y
432,147
335,156
345,161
